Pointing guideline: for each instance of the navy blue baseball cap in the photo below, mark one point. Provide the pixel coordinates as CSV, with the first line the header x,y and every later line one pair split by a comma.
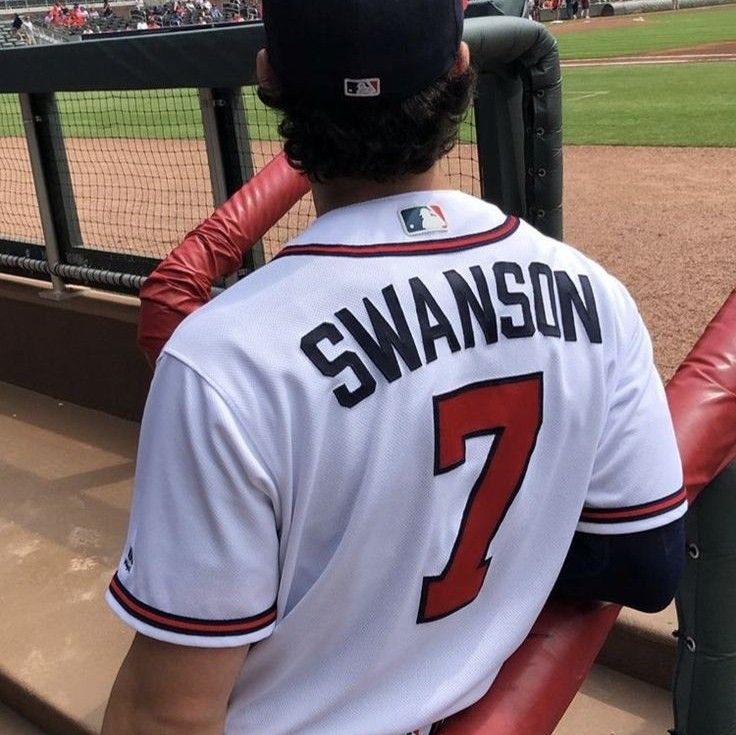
x,y
361,49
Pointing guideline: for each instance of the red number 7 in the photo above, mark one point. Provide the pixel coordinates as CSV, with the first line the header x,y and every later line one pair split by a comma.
x,y
511,411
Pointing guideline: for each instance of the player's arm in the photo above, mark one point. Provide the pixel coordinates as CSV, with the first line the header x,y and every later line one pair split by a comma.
x,y
168,689
639,570
199,574
630,543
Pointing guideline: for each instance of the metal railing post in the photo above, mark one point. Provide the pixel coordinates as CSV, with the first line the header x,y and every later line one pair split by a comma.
x,y
30,122
207,104
228,151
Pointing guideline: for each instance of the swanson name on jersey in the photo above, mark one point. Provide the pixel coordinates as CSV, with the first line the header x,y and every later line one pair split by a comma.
x,y
387,340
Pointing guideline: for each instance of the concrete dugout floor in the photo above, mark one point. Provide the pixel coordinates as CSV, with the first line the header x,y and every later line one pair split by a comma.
x,y
65,481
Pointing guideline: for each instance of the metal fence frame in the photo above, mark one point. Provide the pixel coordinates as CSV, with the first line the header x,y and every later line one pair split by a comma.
x,y
31,73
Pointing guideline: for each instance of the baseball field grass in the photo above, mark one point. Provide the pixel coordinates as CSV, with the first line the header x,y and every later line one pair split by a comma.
x,y
653,32
657,105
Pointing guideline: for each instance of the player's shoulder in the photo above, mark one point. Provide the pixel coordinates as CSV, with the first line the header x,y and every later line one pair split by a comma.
x,y
615,306
230,319
561,254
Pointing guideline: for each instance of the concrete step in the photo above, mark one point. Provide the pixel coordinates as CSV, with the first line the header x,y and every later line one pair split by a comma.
x,y
643,646
13,724
611,703
65,484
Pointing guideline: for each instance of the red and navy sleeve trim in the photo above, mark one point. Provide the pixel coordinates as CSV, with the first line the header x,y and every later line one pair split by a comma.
x,y
635,512
426,247
188,626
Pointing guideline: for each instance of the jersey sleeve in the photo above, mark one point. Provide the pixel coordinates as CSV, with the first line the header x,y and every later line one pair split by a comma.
x,y
637,481
200,566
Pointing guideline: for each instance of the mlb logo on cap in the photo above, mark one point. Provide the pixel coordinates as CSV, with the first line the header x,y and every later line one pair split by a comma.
x,y
363,87
429,218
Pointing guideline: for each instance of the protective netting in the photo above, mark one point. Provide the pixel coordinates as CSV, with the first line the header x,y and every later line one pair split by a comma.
x,y
461,165
139,177
19,216
134,173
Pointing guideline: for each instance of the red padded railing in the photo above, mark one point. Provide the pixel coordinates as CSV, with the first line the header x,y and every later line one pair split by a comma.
x,y
183,281
702,398
536,685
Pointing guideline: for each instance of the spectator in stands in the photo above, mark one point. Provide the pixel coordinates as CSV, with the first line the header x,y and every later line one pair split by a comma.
x,y
53,17
28,31
22,29
106,9
77,16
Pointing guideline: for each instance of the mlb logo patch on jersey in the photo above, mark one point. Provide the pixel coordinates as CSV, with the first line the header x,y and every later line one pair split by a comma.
x,y
429,218
363,87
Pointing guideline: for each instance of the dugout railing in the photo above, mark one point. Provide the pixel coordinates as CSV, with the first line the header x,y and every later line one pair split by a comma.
x,y
115,148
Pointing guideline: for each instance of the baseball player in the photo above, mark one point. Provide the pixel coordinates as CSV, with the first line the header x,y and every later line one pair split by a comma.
x,y
364,468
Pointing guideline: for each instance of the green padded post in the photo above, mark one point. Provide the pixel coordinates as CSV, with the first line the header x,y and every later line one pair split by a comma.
x,y
705,675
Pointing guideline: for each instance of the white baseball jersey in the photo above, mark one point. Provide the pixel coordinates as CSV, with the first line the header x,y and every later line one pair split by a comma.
x,y
371,455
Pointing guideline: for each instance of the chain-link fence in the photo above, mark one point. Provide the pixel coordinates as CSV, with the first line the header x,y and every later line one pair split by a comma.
x,y
138,167
19,217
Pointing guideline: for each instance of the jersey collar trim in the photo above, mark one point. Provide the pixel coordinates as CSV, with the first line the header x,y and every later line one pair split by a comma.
x,y
424,247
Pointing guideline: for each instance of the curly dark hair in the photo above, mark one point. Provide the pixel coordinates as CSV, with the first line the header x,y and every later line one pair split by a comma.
x,y
373,139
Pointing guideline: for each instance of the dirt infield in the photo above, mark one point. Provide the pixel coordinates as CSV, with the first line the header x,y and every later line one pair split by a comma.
x,y
662,220
694,54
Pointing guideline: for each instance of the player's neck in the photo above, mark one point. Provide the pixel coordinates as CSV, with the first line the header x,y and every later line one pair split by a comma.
x,y
342,192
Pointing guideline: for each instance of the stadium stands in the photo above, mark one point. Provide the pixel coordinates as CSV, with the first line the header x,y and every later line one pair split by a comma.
x,y
66,23
9,38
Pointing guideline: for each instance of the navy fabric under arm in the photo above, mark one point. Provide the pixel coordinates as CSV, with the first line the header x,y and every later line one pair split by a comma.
x,y
639,570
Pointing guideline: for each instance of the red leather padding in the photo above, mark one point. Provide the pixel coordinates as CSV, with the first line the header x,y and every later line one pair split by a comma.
x,y
702,398
537,684
183,281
